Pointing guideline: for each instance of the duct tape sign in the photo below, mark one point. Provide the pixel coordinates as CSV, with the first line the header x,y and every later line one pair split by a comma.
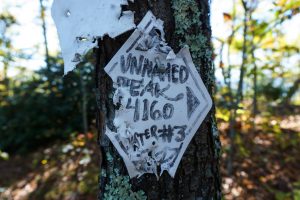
x,y
161,101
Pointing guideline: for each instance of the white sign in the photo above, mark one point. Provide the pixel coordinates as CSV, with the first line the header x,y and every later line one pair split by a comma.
x,y
161,101
80,23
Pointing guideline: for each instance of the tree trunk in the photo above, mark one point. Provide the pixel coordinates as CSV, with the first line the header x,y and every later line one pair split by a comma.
x,y
83,102
197,176
44,27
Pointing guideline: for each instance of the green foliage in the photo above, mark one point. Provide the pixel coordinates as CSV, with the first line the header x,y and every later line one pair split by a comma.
x,y
4,155
271,92
267,50
296,191
5,42
279,195
8,19
43,108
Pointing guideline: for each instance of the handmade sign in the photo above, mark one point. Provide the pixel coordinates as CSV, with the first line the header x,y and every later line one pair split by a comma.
x,y
161,101
80,23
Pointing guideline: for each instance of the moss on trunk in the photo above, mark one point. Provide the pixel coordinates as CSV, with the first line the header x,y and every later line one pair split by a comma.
x,y
197,177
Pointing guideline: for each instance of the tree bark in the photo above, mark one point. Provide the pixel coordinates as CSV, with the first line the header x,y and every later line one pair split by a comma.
x,y
197,176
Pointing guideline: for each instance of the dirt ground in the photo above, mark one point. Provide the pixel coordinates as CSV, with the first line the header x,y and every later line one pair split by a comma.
x,y
266,165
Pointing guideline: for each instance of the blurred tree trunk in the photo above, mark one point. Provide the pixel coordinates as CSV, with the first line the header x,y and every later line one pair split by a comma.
x,y
197,176
83,102
44,27
5,79
291,91
240,91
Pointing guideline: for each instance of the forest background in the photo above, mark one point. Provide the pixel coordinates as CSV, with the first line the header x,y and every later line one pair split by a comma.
x,y
48,146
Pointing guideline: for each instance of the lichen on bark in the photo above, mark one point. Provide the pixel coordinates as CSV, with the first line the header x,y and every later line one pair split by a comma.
x,y
119,186
189,28
197,177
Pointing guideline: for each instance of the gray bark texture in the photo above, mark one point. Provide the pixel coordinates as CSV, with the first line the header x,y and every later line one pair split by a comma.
x,y
197,176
